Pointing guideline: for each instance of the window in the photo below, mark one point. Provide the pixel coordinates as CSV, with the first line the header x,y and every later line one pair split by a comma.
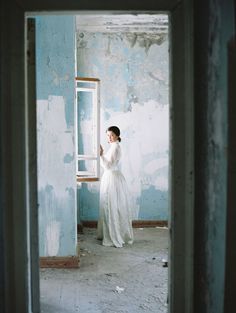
x,y
87,126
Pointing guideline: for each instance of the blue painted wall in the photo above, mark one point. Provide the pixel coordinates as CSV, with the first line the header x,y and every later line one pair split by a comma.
x,y
55,60
55,134
134,73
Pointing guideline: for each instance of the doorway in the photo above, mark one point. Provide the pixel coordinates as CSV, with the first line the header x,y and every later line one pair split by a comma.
x,y
140,74
181,160
174,226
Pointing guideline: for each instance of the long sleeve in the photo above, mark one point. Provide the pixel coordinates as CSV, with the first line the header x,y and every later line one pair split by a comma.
x,y
111,159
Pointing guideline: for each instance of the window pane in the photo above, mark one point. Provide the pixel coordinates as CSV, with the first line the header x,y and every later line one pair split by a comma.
x,y
85,84
85,123
87,168
87,127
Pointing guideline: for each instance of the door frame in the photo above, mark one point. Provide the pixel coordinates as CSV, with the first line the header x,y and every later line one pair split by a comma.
x,y
181,144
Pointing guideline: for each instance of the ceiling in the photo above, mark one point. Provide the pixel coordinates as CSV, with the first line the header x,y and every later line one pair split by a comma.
x,y
122,23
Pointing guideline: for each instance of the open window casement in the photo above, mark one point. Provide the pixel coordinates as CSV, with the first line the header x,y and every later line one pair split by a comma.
x,y
87,129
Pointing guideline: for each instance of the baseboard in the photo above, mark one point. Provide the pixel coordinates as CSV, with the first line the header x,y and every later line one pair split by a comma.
x,y
149,223
59,262
135,223
89,224
80,228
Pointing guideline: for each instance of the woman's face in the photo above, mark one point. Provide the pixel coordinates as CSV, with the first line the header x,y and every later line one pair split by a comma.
x,y
111,137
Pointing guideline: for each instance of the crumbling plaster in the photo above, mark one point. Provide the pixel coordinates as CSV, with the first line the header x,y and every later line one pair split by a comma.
x,y
133,66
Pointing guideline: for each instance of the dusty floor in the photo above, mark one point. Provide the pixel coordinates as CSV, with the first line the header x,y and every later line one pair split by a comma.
x,y
111,280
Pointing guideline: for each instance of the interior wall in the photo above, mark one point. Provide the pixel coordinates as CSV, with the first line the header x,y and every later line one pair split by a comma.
x,y
134,72
213,30
55,134
13,145
12,103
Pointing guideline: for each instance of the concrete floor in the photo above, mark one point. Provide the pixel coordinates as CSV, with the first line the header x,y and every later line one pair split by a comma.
x,y
111,280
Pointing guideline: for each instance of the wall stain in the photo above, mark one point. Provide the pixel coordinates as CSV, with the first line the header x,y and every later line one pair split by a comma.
x,y
88,202
156,202
48,61
108,51
132,98
81,42
155,77
48,189
145,40
68,158
71,192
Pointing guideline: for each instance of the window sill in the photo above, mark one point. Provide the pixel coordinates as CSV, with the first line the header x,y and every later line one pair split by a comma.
x,y
86,179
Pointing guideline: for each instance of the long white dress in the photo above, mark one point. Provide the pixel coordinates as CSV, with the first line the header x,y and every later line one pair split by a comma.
x,y
115,218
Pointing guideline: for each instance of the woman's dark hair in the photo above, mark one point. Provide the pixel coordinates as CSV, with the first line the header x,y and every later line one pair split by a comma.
x,y
115,130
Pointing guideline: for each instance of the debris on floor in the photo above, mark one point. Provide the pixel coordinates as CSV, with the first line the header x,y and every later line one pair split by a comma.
x,y
165,263
127,280
119,289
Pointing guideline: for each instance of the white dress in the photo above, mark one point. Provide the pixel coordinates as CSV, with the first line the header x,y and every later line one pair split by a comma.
x,y
115,218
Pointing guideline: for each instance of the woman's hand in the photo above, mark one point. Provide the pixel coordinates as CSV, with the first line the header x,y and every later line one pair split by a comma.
x,y
101,150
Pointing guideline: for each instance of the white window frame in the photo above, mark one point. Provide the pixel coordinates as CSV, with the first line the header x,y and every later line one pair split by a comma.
x,y
86,176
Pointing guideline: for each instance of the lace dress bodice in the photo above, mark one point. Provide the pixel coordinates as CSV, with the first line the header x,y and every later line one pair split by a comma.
x,y
110,160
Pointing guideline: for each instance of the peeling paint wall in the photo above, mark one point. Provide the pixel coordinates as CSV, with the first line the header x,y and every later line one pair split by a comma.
x,y
134,72
55,135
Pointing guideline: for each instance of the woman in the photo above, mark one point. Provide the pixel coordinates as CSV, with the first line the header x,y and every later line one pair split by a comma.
x,y
115,221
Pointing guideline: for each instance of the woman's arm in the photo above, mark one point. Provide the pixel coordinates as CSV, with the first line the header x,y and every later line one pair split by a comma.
x,y
112,159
